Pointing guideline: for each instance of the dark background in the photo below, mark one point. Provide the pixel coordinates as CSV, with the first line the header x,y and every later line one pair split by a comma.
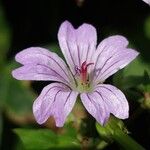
x,y
36,22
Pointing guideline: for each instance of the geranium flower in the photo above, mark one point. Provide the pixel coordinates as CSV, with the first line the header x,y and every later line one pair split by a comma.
x,y
88,67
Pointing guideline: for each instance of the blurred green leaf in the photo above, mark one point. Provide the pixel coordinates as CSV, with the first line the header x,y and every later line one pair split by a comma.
x,y
1,127
147,27
126,82
68,138
132,75
18,145
136,68
16,96
5,36
39,139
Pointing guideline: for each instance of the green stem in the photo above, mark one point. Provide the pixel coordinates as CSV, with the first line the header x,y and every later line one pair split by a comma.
x,y
126,141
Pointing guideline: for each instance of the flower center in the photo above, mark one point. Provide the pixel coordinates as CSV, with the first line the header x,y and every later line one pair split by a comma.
x,y
83,77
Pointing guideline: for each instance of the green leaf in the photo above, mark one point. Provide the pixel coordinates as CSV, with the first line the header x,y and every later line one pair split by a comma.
x,y
45,139
16,96
1,127
132,75
136,68
68,135
147,27
5,37
37,139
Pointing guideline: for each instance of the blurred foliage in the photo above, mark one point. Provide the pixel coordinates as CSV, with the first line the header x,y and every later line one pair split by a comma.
x,y
5,37
1,127
16,97
47,139
107,131
135,74
147,27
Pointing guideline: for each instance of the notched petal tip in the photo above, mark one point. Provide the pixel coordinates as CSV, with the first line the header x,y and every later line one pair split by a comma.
x,y
65,23
95,105
20,57
114,40
55,100
115,100
15,74
63,27
38,112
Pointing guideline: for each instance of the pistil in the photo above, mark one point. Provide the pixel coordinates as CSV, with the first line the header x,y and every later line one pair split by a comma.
x,y
83,77
84,73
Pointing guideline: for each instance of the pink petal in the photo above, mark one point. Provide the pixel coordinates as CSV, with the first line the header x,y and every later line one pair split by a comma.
x,y
115,100
77,45
55,100
38,72
96,106
112,55
41,64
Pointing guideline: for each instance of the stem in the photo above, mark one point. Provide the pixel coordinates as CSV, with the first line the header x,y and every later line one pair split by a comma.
x,y
126,141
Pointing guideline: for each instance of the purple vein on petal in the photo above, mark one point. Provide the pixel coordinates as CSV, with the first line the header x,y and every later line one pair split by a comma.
x,y
57,64
67,98
97,58
53,71
127,57
87,54
79,55
102,67
100,86
39,52
70,53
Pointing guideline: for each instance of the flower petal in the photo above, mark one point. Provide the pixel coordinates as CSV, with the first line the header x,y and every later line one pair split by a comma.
x,y
112,55
55,100
116,101
38,72
96,106
77,45
41,64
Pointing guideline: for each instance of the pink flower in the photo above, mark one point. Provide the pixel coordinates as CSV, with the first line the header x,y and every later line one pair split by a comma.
x,y
88,67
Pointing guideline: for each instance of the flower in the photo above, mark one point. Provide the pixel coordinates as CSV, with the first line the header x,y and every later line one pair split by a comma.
x,y
147,1
87,69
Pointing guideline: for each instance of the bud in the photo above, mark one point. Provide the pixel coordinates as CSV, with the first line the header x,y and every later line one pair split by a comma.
x,y
108,130
114,130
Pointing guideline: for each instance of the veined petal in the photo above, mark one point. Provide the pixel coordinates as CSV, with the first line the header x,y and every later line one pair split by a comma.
x,y
117,62
77,45
55,100
115,100
38,72
41,64
96,106
112,55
